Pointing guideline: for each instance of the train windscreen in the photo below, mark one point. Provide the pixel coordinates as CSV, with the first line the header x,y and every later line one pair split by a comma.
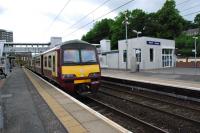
x,y
81,56
88,56
71,56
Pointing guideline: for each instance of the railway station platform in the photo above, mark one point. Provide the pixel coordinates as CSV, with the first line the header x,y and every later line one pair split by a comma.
x,y
180,83
180,78
29,104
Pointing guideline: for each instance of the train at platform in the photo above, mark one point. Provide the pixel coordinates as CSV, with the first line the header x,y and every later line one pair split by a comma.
x,y
74,65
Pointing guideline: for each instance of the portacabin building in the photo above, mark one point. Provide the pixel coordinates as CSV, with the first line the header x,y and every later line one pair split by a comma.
x,y
140,53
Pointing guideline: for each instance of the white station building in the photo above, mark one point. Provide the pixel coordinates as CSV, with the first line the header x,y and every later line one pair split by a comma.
x,y
138,53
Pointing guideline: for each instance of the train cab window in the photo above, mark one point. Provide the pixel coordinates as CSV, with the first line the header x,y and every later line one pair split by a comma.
x,y
45,61
71,56
49,61
88,56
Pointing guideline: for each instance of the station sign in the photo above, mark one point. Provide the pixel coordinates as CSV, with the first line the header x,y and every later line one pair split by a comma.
x,y
153,43
193,50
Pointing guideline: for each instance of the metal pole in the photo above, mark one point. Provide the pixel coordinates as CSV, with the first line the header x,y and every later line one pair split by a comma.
x,y
195,47
126,45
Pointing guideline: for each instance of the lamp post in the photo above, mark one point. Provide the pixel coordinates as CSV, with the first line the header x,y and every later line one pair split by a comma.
x,y
137,32
195,48
126,27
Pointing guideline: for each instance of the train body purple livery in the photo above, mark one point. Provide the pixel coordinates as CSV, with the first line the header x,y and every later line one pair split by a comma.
x,y
74,65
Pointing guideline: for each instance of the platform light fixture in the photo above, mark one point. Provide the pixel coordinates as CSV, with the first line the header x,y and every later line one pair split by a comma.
x,y
137,32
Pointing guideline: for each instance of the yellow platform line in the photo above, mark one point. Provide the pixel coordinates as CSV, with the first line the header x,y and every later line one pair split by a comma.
x,y
71,124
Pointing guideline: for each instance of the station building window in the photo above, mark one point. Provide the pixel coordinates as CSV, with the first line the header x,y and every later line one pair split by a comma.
x,y
124,55
49,61
167,57
138,54
151,54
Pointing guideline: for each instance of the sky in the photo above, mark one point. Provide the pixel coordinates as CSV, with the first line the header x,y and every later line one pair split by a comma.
x,y
38,20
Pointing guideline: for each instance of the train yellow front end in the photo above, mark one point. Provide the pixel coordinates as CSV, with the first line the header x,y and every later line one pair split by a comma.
x,y
80,69
81,78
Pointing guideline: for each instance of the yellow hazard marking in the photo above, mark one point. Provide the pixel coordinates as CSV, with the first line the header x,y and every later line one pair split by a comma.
x,y
71,124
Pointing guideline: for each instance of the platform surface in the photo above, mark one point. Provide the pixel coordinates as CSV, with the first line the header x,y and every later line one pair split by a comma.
x,y
24,110
181,78
75,116
31,105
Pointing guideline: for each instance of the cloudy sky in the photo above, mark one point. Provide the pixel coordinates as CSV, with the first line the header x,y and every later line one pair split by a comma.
x,y
38,20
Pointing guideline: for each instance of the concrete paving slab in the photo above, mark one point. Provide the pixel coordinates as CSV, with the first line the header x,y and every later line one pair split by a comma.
x,y
99,127
71,107
84,116
65,101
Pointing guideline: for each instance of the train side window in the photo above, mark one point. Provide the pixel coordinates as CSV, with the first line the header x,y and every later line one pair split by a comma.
x,y
49,61
45,61
54,65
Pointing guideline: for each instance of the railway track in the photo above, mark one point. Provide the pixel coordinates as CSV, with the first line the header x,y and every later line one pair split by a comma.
x,y
190,117
152,96
130,122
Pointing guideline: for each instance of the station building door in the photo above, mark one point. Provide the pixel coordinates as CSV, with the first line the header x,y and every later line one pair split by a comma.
x,y
167,55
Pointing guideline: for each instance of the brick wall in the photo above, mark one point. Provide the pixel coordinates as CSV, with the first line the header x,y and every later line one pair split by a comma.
x,y
187,64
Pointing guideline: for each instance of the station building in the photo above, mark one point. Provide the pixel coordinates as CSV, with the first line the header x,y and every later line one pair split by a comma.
x,y
138,53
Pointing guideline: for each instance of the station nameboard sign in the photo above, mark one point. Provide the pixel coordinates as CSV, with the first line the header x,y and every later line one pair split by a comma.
x,y
153,43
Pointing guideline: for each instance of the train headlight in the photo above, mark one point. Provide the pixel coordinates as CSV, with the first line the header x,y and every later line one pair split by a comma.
x,y
65,76
95,75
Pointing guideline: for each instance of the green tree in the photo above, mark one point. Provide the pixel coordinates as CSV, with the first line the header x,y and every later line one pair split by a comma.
x,y
185,45
152,25
170,19
197,20
101,30
118,29
136,19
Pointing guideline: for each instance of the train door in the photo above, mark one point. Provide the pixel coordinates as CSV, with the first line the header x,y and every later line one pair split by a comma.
x,y
54,70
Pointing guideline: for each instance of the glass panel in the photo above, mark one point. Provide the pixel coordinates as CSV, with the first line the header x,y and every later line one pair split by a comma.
x,y
49,61
151,55
71,56
124,56
138,55
45,61
54,63
88,56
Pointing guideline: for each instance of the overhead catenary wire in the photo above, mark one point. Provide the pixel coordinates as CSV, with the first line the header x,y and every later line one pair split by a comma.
x,y
191,13
81,19
182,2
101,16
57,16
190,8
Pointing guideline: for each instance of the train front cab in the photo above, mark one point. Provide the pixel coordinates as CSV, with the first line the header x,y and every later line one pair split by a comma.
x,y
80,70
